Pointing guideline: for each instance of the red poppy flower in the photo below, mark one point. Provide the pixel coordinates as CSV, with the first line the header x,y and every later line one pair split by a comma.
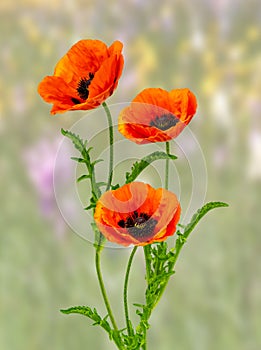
x,y
137,214
84,78
156,115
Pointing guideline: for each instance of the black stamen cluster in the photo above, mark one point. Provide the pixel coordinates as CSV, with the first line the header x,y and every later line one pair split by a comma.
x,y
83,86
139,225
165,121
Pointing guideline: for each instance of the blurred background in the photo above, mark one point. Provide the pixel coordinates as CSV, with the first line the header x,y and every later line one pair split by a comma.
x,y
213,48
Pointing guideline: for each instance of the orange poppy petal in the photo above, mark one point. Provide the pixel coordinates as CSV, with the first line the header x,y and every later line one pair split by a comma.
x,y
85,56
115,48
167,215
55,90
106,78
128,199
155,97
184,103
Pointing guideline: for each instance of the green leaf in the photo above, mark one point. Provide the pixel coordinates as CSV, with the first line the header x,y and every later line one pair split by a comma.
x,y
138,305
182,237
93,201
79,160
199,215
140,165
83,177
91,206
97,161
79,144
92,314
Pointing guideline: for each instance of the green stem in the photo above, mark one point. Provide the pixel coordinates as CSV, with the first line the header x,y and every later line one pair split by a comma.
x,y
147,253
179,245
102,287
166,187
95,188
158,262
167,166
125,292
109,118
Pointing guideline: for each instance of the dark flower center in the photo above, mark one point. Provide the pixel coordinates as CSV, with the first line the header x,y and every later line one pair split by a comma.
x,y
165,121
83,86
139,225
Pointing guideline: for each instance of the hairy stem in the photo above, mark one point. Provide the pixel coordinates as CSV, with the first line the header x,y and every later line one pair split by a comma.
x,y
167,167
147,253
111,140
125,291
102,287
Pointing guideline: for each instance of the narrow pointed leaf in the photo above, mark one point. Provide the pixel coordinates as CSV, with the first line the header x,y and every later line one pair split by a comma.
x,y
89,207
79,160
97,161
83,177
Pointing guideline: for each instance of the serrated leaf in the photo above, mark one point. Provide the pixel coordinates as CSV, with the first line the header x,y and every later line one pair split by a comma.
x,y
140,165
199,215
79,144
92,314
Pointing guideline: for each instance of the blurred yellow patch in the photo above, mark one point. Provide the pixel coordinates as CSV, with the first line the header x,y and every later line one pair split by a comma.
x,y
253,33
30,28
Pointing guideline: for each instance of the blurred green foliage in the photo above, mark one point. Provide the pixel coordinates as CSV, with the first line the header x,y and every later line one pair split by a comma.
x,y
211,47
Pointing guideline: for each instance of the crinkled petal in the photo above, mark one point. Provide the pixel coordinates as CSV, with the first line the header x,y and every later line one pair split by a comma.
x,y
84,57
57,91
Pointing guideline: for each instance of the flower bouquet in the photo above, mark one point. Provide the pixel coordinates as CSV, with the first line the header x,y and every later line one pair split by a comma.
x,y
133,213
